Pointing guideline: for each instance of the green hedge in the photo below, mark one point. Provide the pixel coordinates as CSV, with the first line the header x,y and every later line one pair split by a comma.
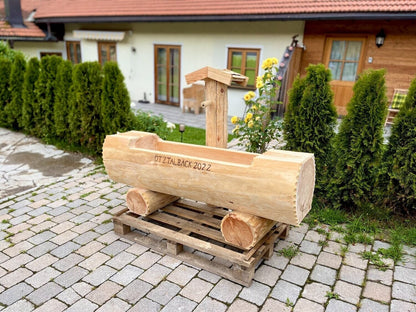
x,y
29,95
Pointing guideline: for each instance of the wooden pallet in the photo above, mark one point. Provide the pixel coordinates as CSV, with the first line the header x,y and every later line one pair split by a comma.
x,y
190,231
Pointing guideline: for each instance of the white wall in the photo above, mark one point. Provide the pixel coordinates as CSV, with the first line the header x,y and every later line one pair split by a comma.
x,y
34,48
202,44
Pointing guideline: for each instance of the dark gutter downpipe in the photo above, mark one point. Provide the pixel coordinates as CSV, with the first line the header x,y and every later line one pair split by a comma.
x,y
14,13
49,36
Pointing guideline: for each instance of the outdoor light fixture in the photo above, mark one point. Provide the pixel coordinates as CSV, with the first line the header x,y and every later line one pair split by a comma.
x,y
380,38
181,130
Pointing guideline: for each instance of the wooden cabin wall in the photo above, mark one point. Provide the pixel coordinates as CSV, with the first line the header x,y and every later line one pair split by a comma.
x,y
397,55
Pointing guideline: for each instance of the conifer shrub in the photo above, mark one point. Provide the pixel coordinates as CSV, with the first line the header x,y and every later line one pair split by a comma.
x,y
311,119
45,92
115,110
397,179
359,143
29,95
5,95
63,96
13,109
8,53
85,116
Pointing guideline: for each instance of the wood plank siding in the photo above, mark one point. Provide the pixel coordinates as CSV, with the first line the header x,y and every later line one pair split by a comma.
x,y
397,55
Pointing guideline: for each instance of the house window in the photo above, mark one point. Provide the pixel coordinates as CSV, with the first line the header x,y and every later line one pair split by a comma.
x,y
73,51
107,52
43,54
344,59
245,62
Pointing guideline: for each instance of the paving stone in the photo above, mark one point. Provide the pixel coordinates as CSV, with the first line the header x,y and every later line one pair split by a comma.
x,y
367,305
316,292
182,275
52,305
286,291
408,262
19,237
134,291
164,292
295,237
379,244
169,262
115,248
310,247
295,274
42,277
402,291
68,262
304,305
272,305
282,244
126,275
42,226
146,260
115,305
210,305
20,306
71,276
155,274
267,275
90,249
82,305
94,261
348,292
225,291
384,277
352,275
257,293
330,260
104,228
337,306
65,249
196,289
82,288
19,219
42,262
358,248
241,305
401,306
355,260
314,236
304,260
405,275
44,293
324,275
16,262
409,250
377,292
179,303
208,276
82,218
104,292
85,238
15,277
69,296
83,227
99,275
41,249
334,247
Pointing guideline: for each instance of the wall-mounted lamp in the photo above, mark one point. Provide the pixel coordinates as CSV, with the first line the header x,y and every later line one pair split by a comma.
x,y
133,49
380,38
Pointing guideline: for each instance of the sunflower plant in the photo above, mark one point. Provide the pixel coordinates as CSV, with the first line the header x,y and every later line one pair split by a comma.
x,y
257,129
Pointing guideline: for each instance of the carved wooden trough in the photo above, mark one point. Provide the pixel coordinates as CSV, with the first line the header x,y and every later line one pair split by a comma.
x,y
276,185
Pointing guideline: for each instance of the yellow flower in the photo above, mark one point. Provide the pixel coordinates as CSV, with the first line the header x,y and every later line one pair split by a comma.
x,y
274,61
234,120
252,94
250,124
267,63
259,84
254,107
247,97
249,116
267,76
235,130
258,118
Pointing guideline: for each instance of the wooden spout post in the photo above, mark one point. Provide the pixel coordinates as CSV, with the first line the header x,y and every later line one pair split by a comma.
x,y
216,101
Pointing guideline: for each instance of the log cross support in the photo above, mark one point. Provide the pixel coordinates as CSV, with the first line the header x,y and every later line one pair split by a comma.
x,y
216,101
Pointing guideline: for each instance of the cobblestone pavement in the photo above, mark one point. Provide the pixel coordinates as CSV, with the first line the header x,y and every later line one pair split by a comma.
x,y
58,252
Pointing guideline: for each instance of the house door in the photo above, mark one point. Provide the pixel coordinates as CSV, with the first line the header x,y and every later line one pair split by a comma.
x,y
167,74
344,57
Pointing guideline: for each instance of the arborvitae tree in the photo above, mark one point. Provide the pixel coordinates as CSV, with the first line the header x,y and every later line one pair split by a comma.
x,y
290,118
116,113
87,83
5,95
313,116
29,94
63,93
7,52
45,91
397,179
358,145
13,109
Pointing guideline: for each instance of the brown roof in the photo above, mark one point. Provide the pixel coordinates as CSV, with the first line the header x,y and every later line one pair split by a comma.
x,y
80,8
31,32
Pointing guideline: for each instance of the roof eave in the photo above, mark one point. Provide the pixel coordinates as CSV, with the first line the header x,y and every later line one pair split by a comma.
x,y
245,17
22,38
